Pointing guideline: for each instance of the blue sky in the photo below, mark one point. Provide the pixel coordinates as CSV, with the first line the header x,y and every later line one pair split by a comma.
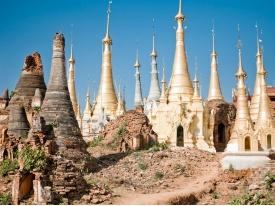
x,y
28,26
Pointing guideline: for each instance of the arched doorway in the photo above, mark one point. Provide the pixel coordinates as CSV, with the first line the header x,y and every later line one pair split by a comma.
x,y
26,185
268,140
180,138
14,152
221,133
5,154
247,146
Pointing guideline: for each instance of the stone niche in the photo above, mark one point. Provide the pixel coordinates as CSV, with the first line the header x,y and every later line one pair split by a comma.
x,y
221,121
25,184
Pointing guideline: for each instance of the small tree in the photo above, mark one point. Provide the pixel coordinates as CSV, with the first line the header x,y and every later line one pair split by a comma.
x,y
8,166
5,199
33,158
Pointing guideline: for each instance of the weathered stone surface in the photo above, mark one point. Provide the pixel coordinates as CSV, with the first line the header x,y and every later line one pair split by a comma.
x,y
18,125
57,107
221,113
31,78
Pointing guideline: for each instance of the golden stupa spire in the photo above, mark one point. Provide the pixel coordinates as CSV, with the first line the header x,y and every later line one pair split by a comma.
x,y
214,92
255,102
88,108
196,95
163,97
138,92
71,81
120,105
154,53
106,97
79,117
265,114
154,91
243,119
180,84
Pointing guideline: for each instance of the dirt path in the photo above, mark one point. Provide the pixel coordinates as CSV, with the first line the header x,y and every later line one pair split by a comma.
x,y
196,186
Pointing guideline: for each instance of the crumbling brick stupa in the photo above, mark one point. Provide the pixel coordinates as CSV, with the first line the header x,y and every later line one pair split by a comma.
x,y
43,138
32,77
130,131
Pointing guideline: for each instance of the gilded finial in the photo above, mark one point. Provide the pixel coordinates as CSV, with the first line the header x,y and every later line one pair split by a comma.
x,y
138,93
137,64
258,40
87,108
180,16
163,71
239,43
71,50
213,37
154,53
71,60
163,83
196,70
119,91
261,41
124,93
107,39
241,71
262,69
88,92
94,99
196,81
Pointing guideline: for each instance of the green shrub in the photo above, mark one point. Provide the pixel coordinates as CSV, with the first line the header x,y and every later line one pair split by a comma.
x,y
5,199
159,147
269,179
142,166
92,181
7,166
243,200
118,136
33,158
215,195
159,175
96,141
256,199
37,109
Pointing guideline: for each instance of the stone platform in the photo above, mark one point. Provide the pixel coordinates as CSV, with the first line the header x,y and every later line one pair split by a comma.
x,y
245,160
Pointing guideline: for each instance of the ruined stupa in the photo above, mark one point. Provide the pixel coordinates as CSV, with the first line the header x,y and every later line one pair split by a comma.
x,y
60,123
55,135
32,77
57,106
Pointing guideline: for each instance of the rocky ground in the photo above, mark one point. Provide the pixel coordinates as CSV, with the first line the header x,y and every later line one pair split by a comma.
x,y
175,176
240,188
152,171
170,176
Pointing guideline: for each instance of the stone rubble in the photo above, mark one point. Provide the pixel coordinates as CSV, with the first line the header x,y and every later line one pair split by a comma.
x,y
148,172
136,129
